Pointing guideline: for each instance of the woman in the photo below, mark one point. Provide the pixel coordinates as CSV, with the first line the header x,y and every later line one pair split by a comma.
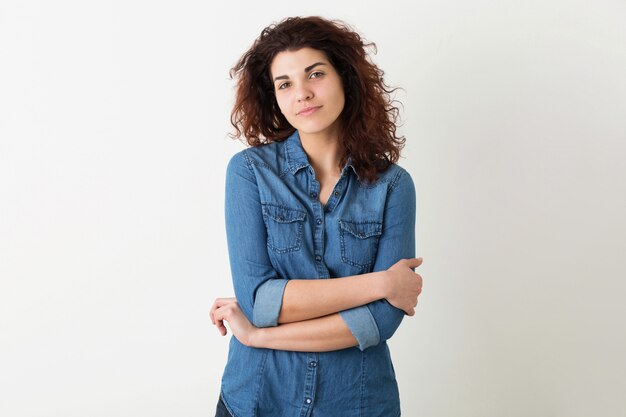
x,y
321,230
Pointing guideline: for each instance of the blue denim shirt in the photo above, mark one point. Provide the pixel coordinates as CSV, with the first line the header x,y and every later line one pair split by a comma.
x,y
278,230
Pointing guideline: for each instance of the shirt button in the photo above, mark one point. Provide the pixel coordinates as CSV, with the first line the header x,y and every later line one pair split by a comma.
x,y
308,401
318,258
336,193
313,195
319,221
313,364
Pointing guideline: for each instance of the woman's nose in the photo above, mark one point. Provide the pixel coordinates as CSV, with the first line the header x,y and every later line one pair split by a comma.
x,y
304,93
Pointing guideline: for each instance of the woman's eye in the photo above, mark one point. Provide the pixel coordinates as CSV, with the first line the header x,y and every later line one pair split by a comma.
x,y
283,86
316,74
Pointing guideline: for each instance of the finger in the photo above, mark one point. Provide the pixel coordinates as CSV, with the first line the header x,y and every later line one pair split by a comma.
x,y
219,323
214,307
413,262
220,316
220,302
211,313
222,328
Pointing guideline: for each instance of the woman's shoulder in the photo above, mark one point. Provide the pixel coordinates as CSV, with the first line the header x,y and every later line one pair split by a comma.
x,y
399,186
393,176
269,156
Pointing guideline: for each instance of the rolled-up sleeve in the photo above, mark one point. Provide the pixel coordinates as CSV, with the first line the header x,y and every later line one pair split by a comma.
x,y
268,302
258,289
377,321
362,325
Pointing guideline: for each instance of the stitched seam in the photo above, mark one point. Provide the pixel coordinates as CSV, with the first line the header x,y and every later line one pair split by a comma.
x,y
374,325
297,222
362,405
292,167
342,244
227,406
250,161
259,383
395,180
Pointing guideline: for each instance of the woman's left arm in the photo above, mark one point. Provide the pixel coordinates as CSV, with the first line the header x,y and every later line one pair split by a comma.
x,y
377,321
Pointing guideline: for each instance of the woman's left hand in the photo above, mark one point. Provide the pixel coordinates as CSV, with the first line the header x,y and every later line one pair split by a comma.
x,y
228,309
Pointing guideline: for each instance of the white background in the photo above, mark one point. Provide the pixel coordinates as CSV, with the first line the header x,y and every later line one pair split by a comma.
x,y
113,146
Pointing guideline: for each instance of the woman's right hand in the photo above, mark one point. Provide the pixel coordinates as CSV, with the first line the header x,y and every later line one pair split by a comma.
x,y
403,286
227,309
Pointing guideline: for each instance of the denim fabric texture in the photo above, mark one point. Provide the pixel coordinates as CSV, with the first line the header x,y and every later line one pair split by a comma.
x,y
278,230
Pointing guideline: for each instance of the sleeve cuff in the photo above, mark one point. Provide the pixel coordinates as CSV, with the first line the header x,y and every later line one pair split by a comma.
x,y
267,303
362,326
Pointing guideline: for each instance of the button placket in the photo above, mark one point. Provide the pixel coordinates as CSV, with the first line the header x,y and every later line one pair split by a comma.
x,y
318,228
310,383
336,194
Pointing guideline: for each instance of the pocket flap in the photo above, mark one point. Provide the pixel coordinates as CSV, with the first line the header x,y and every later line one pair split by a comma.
x,y
362,230
283,214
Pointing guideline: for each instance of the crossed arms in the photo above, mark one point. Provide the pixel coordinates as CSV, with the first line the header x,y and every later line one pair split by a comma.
x,y
316,315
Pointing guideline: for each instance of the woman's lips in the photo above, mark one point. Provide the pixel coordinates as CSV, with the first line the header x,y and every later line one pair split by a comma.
x,y
308,111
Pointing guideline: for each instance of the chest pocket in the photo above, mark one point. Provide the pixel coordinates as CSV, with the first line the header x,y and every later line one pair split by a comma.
x,y
359,243
284,227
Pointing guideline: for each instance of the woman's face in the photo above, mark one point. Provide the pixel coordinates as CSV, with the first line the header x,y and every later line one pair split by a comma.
x,y
308,90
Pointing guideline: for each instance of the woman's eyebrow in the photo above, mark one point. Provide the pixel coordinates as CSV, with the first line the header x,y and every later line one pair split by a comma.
x,y
307,69
310,67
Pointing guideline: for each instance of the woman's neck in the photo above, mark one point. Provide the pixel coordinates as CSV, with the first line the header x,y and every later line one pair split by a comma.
x,y
323,153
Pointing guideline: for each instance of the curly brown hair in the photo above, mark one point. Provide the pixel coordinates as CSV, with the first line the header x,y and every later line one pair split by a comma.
x,y
368,120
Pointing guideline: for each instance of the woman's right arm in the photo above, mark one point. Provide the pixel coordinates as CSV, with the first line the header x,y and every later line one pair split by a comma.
x,y
263,297
322,334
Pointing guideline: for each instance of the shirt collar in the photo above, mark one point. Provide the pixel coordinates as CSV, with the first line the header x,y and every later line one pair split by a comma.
x,y
348,164
296,157
294,153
